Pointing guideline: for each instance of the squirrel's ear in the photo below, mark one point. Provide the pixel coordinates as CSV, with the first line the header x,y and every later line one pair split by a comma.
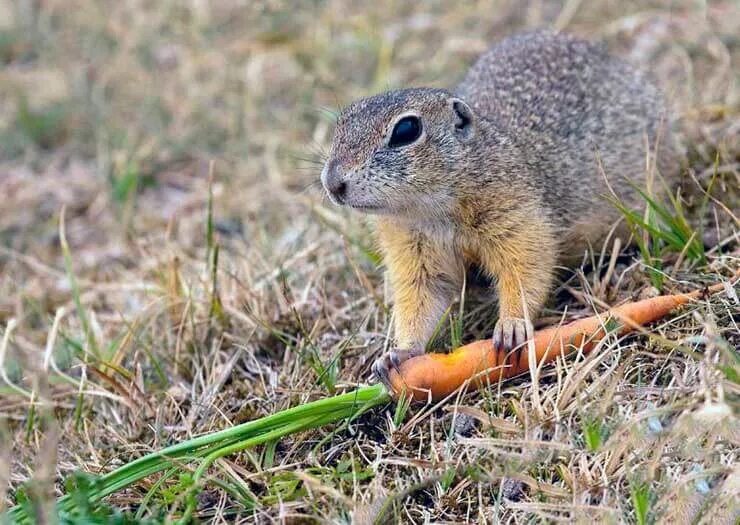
x,y
464,119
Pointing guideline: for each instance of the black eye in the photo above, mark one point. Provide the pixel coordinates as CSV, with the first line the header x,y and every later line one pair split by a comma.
x,y
406,131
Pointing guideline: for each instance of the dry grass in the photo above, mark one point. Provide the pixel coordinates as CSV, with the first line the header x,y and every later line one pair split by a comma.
x,y
113,112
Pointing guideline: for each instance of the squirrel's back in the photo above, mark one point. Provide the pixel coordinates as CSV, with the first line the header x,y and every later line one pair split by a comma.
x,y
580,114
562,85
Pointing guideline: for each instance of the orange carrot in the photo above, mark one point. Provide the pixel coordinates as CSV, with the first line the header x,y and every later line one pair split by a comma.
x,y
437,375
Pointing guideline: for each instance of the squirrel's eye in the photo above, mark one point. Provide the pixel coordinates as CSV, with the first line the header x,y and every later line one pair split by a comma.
x,y
406,131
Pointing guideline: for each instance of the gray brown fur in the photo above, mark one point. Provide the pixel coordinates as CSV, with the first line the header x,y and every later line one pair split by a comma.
x,y
509,173
566,103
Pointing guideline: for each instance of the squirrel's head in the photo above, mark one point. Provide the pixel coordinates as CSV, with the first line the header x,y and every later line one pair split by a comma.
x,y
399,152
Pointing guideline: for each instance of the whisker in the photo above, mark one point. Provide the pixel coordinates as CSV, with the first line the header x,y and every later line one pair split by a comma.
x,y
318,150
313,185
313,161
327,112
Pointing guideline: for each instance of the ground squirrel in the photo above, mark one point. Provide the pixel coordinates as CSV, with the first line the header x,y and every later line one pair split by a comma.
x,y
509,171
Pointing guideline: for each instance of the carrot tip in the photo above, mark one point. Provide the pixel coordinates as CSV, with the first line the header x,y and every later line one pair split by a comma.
x,y
434,376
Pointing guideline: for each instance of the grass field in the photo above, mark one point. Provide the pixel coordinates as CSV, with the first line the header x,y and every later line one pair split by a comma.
x,y
169,267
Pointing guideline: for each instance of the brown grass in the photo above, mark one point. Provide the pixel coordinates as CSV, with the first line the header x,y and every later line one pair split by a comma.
x,y
114,112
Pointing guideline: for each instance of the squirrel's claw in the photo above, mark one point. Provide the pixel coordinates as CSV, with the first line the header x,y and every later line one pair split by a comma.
x,y
510,336
382,366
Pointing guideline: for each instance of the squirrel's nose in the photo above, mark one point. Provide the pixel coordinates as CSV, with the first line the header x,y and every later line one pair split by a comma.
x,y
333,181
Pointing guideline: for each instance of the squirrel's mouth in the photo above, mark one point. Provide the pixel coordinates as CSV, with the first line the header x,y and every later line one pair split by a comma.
x,y
367,208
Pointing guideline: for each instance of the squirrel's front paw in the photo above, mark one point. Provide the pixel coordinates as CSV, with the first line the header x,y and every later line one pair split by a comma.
x,y
509,337
382,366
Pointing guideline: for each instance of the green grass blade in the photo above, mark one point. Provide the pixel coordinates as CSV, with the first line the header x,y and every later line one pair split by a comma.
x,y
212,446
